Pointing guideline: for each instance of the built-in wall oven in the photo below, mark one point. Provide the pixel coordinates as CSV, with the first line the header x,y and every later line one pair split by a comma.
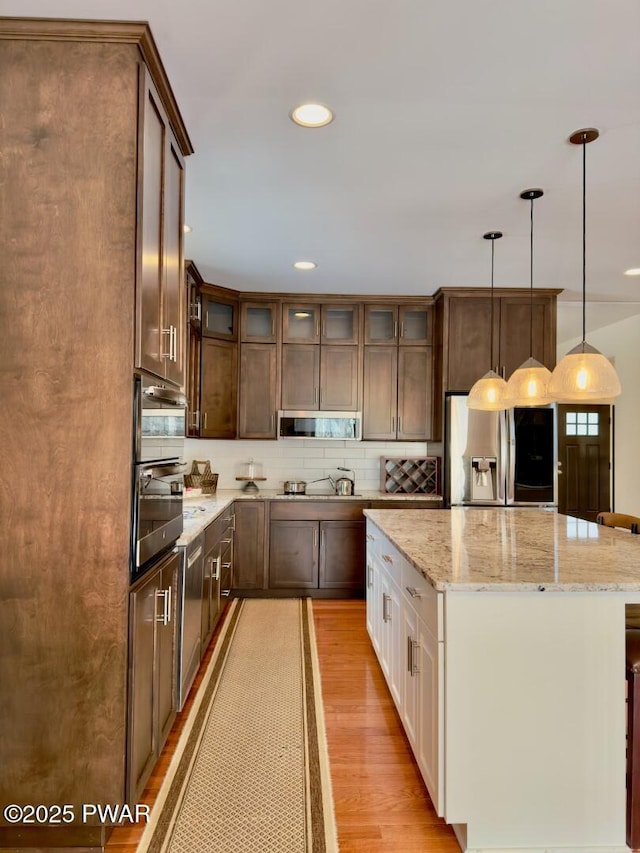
x,y
159,418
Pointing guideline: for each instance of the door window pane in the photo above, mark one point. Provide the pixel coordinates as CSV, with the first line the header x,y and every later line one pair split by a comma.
x,y
582,423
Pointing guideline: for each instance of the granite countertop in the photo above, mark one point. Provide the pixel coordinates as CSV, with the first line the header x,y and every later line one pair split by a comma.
x,y
511,549
201,510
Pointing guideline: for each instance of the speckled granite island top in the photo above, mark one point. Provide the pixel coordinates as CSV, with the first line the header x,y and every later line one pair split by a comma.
x,y
512,549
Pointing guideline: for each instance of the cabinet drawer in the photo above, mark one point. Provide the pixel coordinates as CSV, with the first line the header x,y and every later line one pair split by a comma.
x,y
390,558
424,599
304,509
220,528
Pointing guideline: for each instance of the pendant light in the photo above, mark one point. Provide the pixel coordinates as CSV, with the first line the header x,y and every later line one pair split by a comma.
x,y
488,393
584,375
529,384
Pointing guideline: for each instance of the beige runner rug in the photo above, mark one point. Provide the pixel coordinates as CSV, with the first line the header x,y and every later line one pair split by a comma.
x,y
251,773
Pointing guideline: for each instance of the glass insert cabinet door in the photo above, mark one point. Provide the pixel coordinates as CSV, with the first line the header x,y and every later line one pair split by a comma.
x,y
409,325
259,322
340,324
312,324
219,318
300,323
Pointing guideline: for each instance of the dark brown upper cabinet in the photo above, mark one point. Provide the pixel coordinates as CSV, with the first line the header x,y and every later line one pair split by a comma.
x,y
219,314
465,329
259,322
409,324
329,323
160,339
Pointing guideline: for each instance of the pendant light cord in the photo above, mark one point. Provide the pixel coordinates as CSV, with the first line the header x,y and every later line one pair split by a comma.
x,y
531,289
493,244
584,238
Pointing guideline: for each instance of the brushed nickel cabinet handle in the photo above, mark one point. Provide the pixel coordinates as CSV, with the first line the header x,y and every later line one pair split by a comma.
x,y
165,617
413,592
225,593
395,328
409,655
216,574
399,424
168,354
415,648
386,616
204,420
369,575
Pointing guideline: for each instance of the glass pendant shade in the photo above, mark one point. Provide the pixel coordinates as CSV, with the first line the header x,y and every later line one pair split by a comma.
x,y
584,375
488,393
529,385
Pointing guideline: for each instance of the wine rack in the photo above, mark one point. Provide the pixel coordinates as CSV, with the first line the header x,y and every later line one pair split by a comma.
x,y
400,475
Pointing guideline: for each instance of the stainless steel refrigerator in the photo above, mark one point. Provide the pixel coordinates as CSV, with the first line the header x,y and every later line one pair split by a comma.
x,y
499,458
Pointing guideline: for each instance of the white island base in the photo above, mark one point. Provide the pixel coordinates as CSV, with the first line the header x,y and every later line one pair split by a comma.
x,y
519,726
534,733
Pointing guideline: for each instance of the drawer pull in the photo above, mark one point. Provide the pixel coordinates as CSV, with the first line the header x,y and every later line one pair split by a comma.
x,y
413,592
387,558
386,616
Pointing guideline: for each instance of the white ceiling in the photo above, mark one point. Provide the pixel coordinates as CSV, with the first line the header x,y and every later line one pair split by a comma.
x,y
444,113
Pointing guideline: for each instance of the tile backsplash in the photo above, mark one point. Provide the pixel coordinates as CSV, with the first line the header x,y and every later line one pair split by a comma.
x,y
302,459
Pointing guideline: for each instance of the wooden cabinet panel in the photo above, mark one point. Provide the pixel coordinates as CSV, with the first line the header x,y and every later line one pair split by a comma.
x,y
151,670
142,614
293,554
339,378
300,323
259,322
258,391
219,314
469,340
300,377
160,308
415,324
219,384
174,288
305,509
415,390
379,408
340,324
515,314
380,324
166,642
342,555
465,333
249,545
149,309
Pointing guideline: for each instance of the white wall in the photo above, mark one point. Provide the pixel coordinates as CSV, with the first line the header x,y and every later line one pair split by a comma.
x,y
303,459
621,341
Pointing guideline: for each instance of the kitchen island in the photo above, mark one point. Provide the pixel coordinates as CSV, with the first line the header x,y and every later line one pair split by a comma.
x,y
501,635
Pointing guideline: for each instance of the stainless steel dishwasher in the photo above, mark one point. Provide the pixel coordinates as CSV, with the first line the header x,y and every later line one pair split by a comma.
x,y
190,617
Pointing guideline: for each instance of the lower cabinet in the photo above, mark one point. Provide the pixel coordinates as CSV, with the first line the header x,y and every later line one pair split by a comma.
x,y
217,575
317,545
405,624
249,544
152,632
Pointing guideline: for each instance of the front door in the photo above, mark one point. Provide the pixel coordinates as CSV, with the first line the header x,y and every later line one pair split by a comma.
x,y
584,470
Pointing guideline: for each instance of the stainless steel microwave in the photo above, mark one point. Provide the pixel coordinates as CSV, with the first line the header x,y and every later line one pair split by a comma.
x,y
324,425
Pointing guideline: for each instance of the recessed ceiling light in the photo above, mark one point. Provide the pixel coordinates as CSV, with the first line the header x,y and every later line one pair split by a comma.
x,y
312,115
186,228
635,271
305,265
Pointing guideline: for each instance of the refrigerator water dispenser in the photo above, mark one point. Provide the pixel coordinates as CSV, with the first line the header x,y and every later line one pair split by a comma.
x,y
483,478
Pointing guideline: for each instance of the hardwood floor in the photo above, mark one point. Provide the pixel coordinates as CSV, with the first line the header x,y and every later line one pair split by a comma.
x,y
381,803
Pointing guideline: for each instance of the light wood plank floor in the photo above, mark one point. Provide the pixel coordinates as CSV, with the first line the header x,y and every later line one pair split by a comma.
x,y
381,803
